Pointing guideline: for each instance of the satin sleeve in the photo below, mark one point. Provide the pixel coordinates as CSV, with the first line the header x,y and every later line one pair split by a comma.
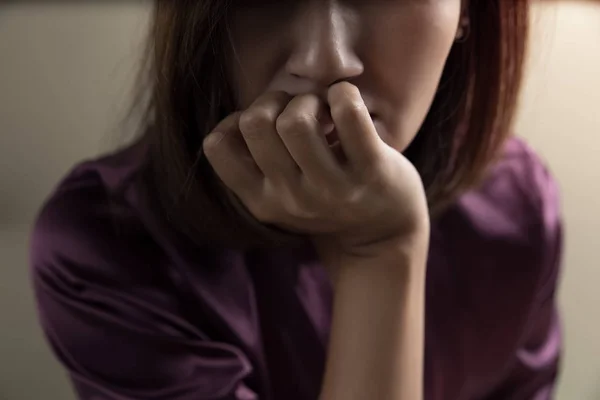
x,y
536,366
111,321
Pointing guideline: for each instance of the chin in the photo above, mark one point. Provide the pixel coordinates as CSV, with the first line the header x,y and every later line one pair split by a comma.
x,y
395,138
400,142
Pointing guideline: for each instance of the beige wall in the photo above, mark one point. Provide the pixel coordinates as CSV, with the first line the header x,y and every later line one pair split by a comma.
x,y
560,117
65,69
64,72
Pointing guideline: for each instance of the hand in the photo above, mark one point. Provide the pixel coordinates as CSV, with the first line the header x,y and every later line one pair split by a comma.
x,y
275,158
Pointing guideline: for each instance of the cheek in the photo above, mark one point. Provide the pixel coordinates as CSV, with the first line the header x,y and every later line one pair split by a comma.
x,y
250,74
258,41
251,69
408,67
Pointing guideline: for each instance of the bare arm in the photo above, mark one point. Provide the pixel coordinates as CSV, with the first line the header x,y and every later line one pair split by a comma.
x,y
377,338
275,158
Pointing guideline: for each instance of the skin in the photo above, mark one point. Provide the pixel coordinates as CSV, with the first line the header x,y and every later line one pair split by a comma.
x,y
369,72
393,51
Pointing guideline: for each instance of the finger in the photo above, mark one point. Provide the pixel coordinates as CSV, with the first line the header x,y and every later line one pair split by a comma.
x,y
257,125
302,127
231,160
355,129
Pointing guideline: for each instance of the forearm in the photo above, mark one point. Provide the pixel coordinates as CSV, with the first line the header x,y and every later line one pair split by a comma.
x,y
377,337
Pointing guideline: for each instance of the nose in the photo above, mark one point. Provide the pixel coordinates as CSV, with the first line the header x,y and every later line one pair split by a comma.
x,y
323,52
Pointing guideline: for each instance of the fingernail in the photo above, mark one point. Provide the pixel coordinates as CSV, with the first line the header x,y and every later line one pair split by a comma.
x,y
213,139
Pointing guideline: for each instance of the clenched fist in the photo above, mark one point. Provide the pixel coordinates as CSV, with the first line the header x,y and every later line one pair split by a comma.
x,y
278,158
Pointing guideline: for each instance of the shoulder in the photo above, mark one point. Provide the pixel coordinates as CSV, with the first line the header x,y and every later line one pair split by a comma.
x,y
519,197
104,284
523,180
495,260
512,221
89,223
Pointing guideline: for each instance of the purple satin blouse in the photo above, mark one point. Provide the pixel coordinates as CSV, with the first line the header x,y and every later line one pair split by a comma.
x,y
133,314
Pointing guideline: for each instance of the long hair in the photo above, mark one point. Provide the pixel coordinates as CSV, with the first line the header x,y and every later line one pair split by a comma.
x,y
188,50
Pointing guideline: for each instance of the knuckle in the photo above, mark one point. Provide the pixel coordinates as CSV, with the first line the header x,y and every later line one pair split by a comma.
x,y
260,211
346,99
349,109
211,143
255,121
327,194
217,148
351,200
295,124
297,210
295,205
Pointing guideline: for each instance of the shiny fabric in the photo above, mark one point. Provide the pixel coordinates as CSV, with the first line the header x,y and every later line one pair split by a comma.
x,y
134,314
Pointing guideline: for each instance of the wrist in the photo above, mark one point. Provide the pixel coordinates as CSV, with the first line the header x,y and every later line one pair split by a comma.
x,y
397,262
403,257
408,247
395,251
378,325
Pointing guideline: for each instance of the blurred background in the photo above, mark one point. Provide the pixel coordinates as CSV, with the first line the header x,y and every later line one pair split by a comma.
x,y
65,79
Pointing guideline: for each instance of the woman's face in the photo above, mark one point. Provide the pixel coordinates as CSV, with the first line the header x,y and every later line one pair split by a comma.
x,y
394,51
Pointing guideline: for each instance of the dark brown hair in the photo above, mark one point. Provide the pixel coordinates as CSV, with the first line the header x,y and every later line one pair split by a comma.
x,y
469,120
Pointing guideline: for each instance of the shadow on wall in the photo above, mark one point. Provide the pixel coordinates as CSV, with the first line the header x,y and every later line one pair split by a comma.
x,y
66,73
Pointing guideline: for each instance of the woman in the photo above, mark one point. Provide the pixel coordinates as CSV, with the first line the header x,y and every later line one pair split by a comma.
x,y
324,204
